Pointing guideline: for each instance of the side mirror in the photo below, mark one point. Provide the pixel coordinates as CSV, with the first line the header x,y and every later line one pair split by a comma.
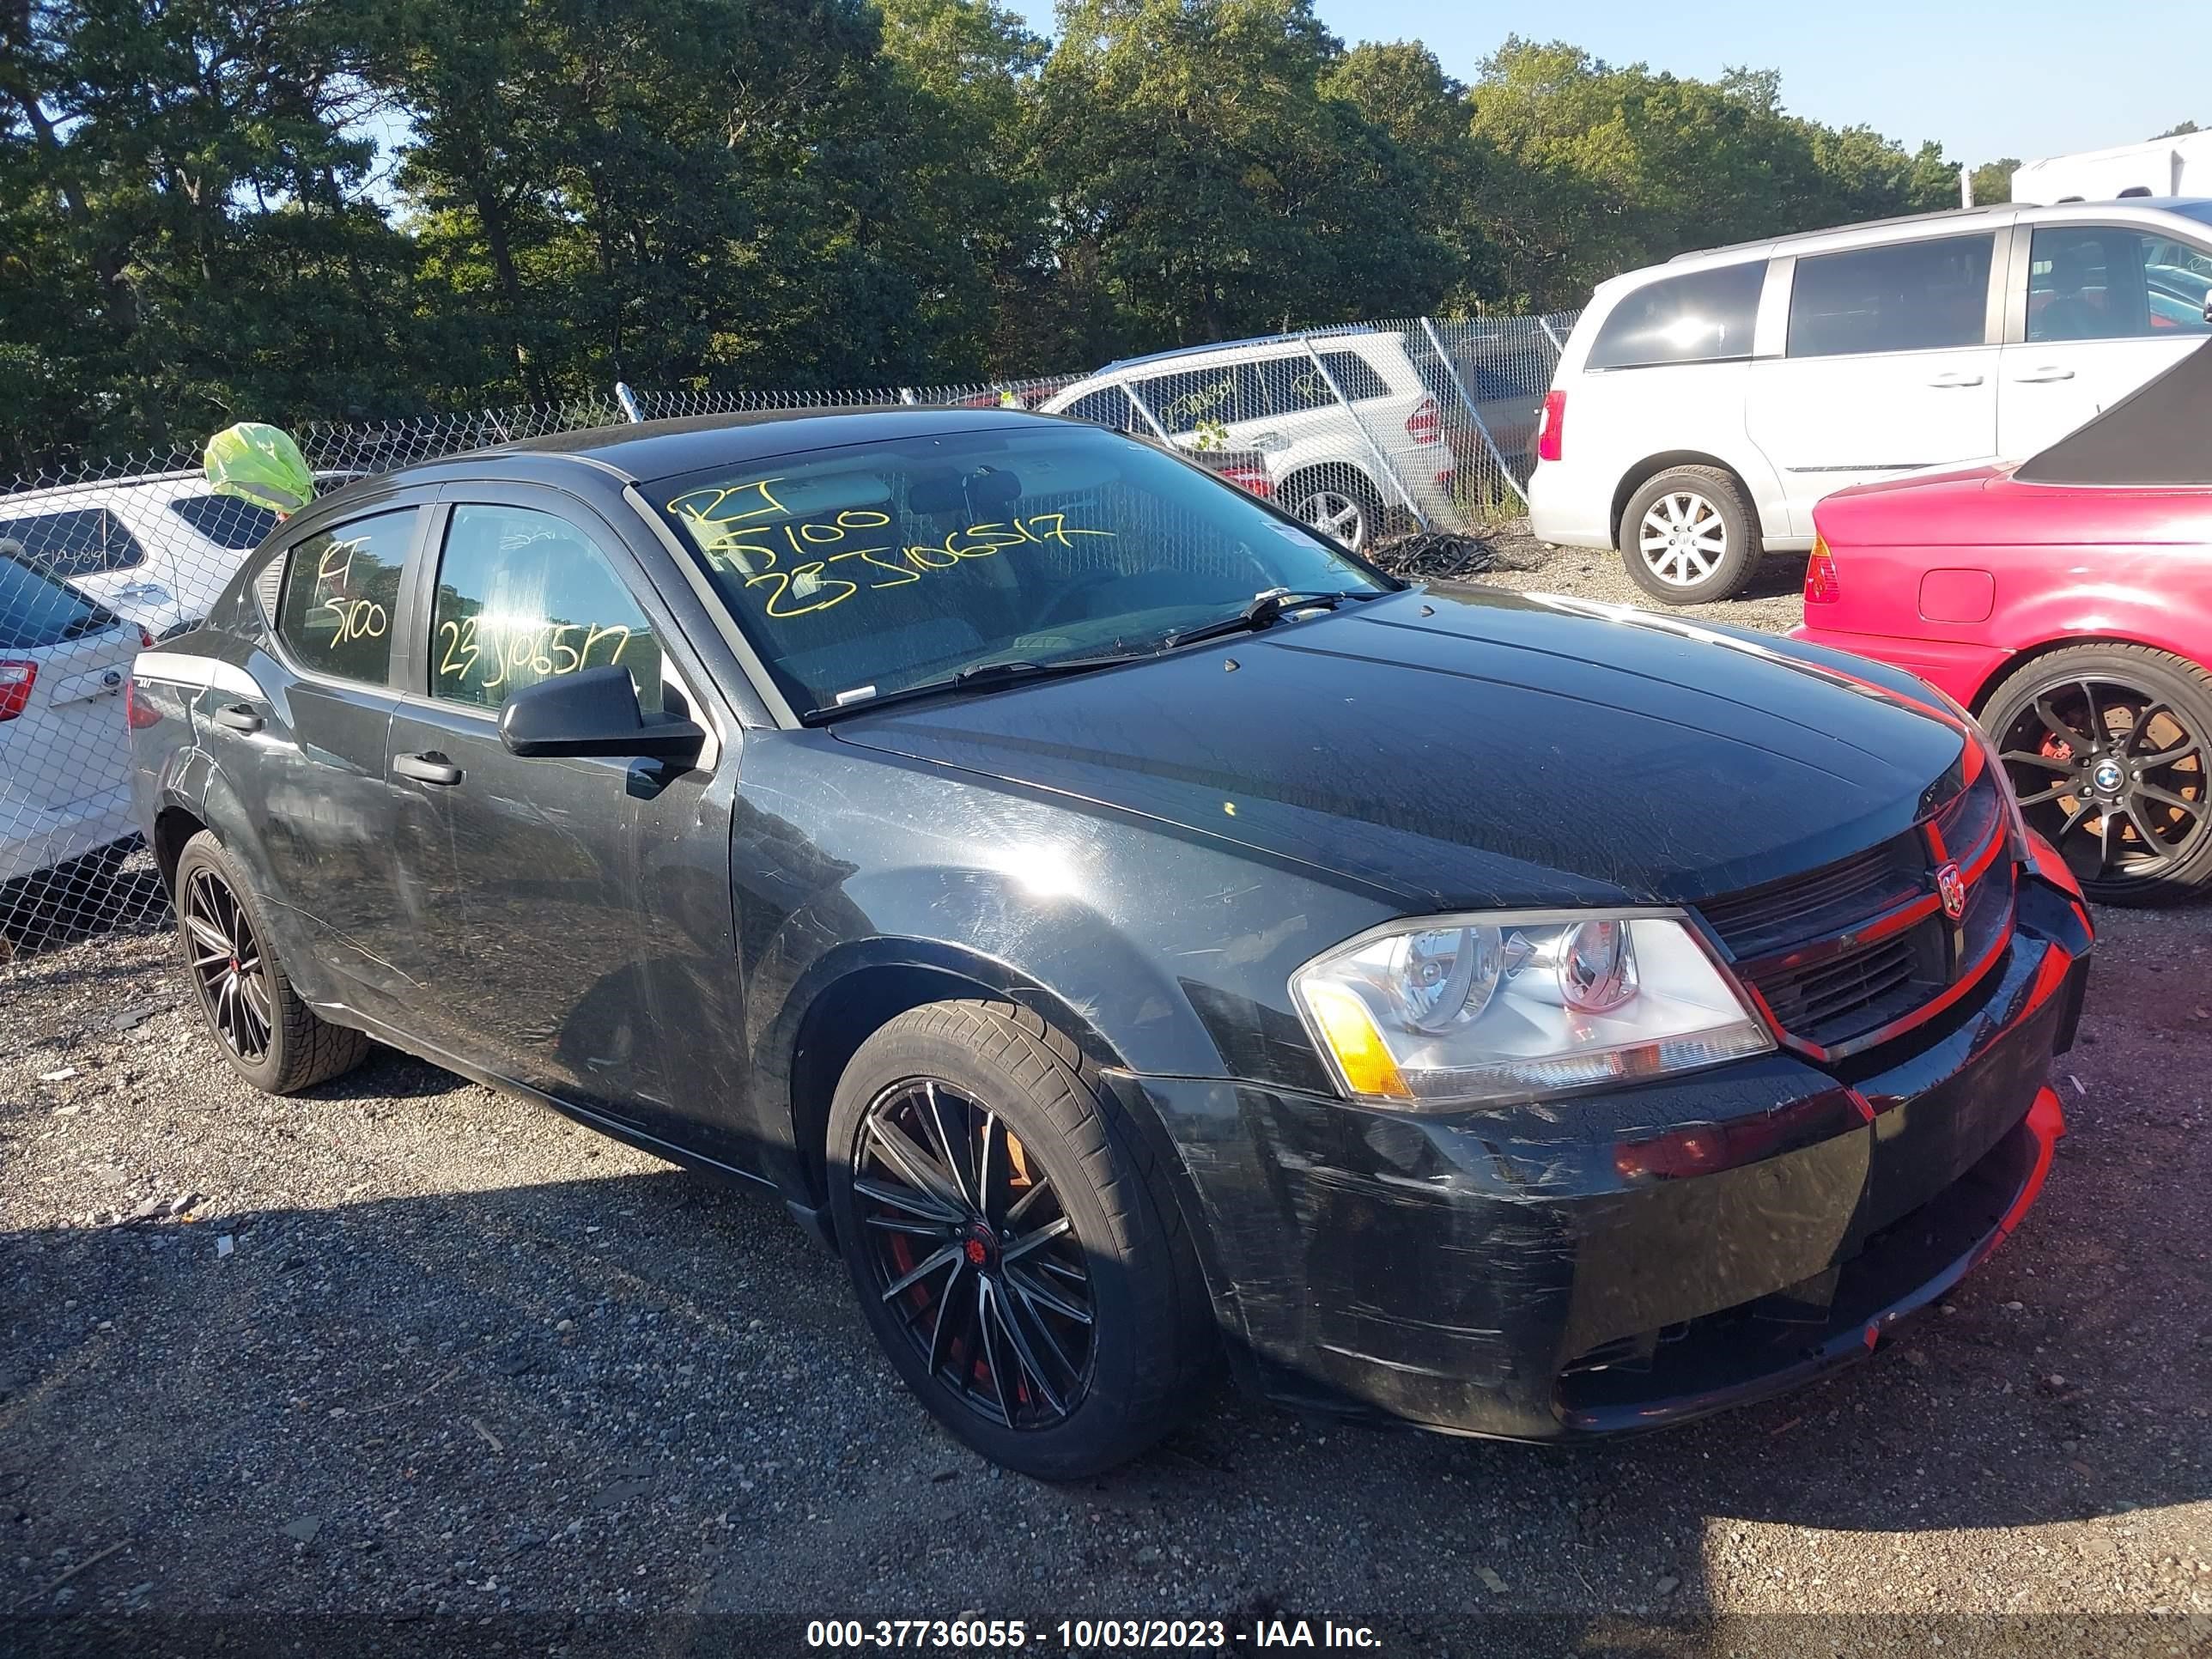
x,y
592,712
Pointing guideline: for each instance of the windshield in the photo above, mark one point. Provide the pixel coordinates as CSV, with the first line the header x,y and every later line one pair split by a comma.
x,y
857,571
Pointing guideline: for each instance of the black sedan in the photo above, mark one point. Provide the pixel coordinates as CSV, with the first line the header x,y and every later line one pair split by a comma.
x,y
1128,928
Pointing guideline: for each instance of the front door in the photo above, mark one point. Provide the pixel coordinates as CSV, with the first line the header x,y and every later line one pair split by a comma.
x,y
575,914
2107,308
1891,365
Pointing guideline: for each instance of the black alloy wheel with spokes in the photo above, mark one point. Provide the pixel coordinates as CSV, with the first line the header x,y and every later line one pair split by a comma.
x,y
1013,1241
974,1255
271,1036
2109,750
227,964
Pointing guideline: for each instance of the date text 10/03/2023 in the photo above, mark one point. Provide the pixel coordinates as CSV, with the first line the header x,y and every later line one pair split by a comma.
x,y
974,1634
733,527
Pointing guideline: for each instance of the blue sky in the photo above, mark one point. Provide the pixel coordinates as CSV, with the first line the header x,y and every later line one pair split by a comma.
x,y
2026,78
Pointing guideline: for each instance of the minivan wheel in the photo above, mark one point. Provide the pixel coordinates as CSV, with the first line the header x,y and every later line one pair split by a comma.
x,y
1338,503
1005,1233
2109,748
270,1037
1687,538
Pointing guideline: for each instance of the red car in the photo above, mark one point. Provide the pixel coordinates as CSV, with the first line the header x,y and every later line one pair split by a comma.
x,y
2067,601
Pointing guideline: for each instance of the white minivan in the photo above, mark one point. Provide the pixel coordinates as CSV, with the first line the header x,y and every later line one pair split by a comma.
x,y
1701,408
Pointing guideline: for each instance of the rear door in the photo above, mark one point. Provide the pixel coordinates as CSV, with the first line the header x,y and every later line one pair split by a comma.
x,y
308,754
1889,363
2096,311
574,915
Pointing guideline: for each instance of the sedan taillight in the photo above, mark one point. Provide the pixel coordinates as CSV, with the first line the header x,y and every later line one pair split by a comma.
x,y
1425,425
1253,480
1550,433
138,715
1820,584
17,679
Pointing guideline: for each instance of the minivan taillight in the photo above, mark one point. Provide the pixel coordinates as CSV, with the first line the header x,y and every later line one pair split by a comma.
x,y
17,679
1425,425
1820,584
1551,431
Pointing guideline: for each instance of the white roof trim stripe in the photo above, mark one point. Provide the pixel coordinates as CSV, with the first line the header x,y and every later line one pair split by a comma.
x,y
202,673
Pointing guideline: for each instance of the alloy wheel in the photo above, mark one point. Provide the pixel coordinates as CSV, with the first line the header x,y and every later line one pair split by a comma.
x,y
971,1248
1682,539
227,964
2113,776
1337,513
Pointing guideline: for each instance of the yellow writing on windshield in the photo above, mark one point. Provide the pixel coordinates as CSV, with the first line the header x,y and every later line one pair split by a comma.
x,y
790,564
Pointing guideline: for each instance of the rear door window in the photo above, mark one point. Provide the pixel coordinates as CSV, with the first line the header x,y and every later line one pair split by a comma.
x,y
2113,283
1184,400
341,590
228,522
523,597
1906,296
83,542
1700,316
36,611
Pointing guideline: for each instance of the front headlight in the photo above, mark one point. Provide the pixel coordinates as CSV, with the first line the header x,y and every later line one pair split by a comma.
x,y
1458,1011
1993,759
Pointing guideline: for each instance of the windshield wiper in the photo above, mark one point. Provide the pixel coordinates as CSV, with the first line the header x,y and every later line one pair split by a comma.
x,y
982,676
1263,609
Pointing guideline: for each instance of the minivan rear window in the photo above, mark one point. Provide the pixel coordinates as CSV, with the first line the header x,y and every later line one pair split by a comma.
x,y
36,610
1700,316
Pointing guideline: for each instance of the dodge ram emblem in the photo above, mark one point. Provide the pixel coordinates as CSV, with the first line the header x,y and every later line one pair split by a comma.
x,y
1952,887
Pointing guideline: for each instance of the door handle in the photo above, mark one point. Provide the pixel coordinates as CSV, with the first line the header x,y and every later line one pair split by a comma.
x,y
1956,377
429,767
237,717
2043,376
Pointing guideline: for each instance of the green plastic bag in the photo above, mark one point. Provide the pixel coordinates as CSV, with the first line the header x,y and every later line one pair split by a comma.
x,y
261,463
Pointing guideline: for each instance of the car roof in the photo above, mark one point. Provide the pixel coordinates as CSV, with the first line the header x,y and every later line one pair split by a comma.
x,y
1990,213
1319,335
1962,215
85,492
646,450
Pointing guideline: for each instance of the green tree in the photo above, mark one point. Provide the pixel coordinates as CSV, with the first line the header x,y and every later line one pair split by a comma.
x,y
185,208
1993,181
1205,185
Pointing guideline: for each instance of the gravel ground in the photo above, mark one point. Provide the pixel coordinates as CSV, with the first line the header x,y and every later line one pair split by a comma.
x,y
413,1350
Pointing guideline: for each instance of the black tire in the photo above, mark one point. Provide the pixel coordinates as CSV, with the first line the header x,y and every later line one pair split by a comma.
x,y
297,1049
2128,702
1707,549
1087,1396
1322,496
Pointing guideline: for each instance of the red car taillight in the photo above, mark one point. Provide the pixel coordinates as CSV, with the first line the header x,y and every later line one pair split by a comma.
x,y
1820,584
135,714
1253,480
17,679
1425,425
1551,431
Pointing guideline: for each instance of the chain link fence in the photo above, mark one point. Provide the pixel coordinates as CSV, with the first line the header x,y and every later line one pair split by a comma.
x,y
1372,431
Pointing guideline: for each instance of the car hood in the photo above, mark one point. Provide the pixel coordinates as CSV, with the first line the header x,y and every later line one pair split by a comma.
x,y
1464,747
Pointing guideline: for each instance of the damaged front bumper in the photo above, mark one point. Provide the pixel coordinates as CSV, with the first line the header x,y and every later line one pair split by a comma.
x,y
1621,1259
